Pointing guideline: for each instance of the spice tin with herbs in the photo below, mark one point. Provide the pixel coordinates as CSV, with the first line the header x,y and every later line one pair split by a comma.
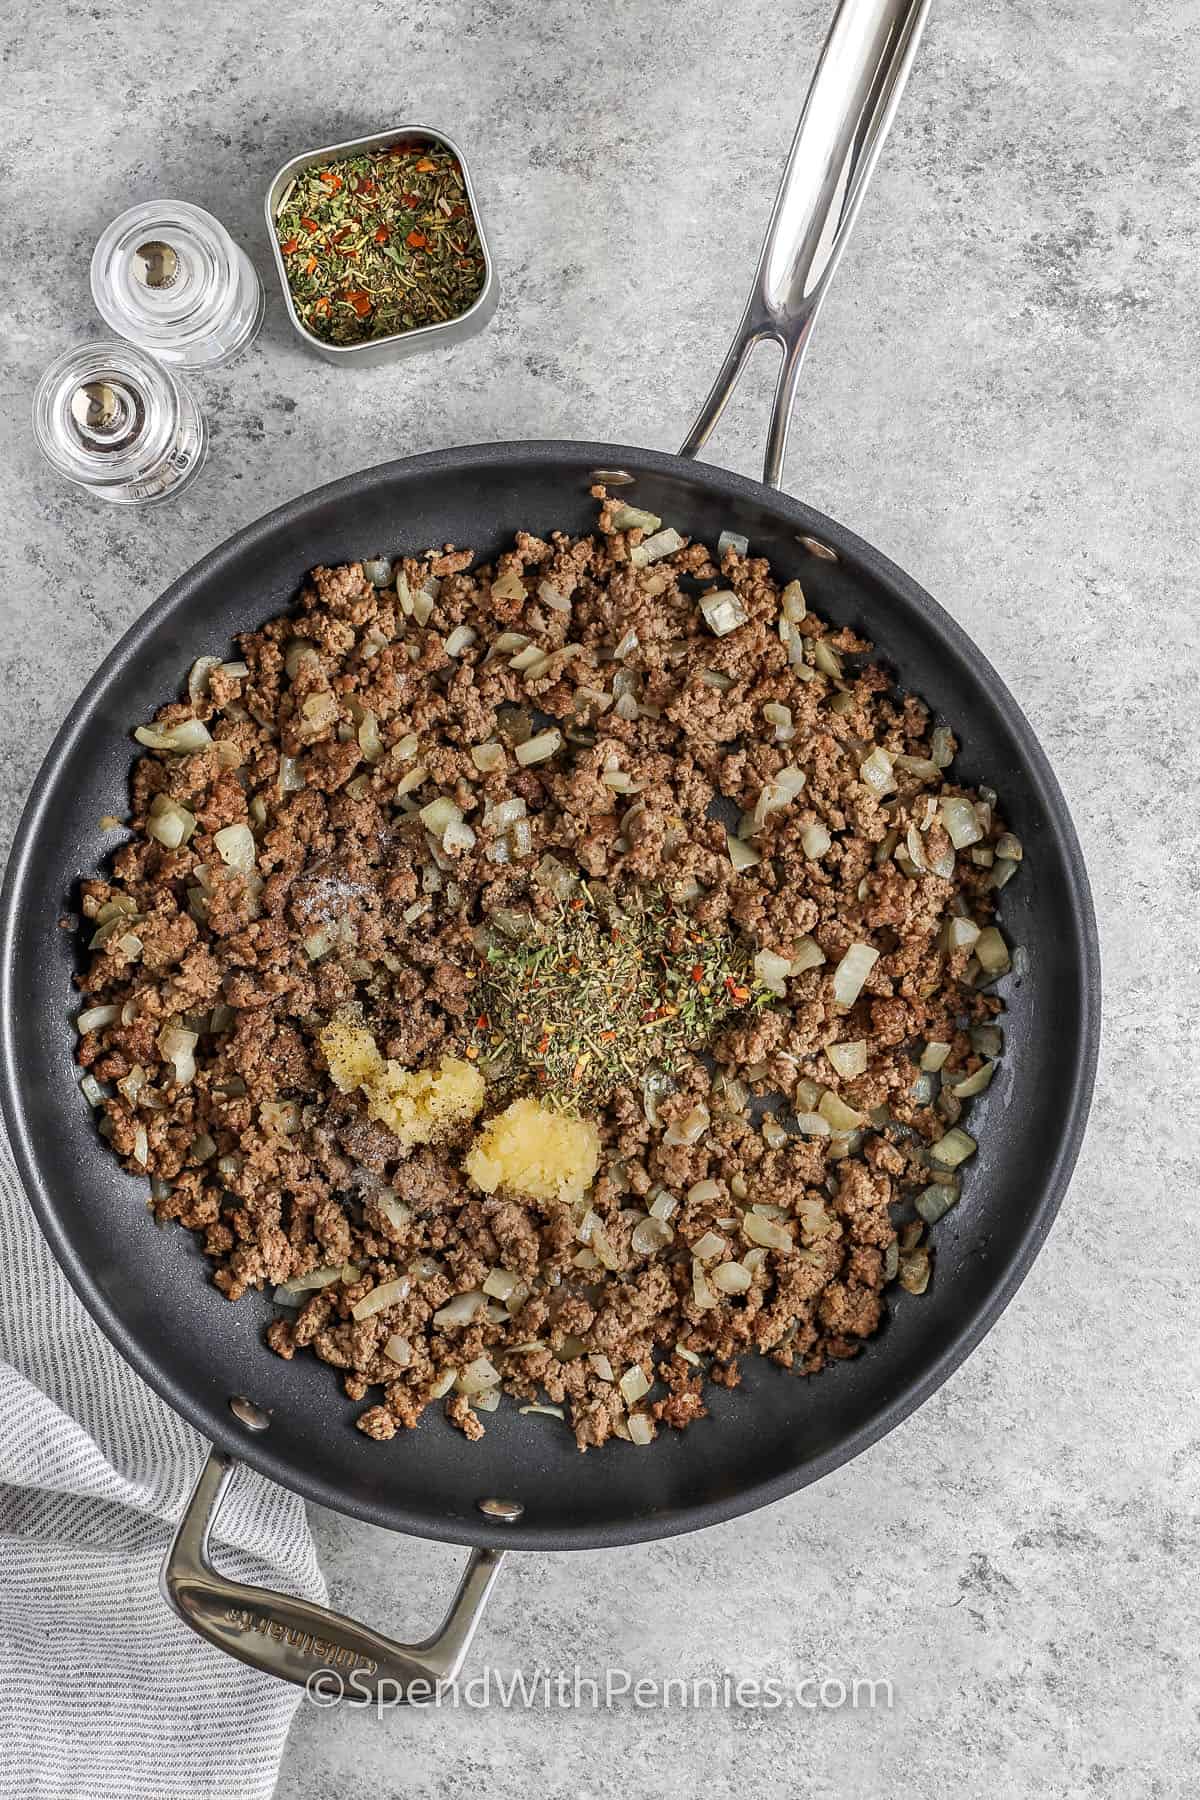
x,y
379,246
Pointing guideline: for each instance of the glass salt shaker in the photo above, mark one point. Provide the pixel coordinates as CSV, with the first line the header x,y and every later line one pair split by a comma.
x,y
169,277
112,420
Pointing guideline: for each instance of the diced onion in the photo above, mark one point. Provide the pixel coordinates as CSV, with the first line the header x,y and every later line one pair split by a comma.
x,y
289,1292
876,771
633,1384
176,1044
691,1128
732,540
815,841
780,717
849,1059
398,1350
94,1018
935,1202
499,1283
487,757
457,836
412,780
731,1278
550,596
953,1149
651,549
398,1216
808,954
702,1191
650,1235
508,586
773,970
791,602
709,1246
478,1376
460,1311
186,736
635,518
1009,847
811,1124
92,1092
723,611
941,746
934,1055
741,854
438,814
840,1117
537,749
235,847
702,1295
827,659
460,639
960,822
641,1429
767,1232
852,972
961,934
777,793
974,1084
664,1204
386,1294
992,951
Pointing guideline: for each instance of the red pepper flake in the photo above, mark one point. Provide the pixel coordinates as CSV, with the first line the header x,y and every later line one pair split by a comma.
x,y
577,904
358,300
364,185
697,972
310,265
483,1023
649,1015
425,167
410,202
309,224
577,1071
470,1053
543,1043
339,235
457,212
606,1037
331,180
416,240
322,305
291,247
738,994
382,235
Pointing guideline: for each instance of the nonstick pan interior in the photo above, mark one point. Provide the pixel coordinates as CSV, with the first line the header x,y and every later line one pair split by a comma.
x,y
148,1286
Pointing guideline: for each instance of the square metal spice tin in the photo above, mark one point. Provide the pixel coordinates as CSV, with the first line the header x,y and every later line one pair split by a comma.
x,y
402,343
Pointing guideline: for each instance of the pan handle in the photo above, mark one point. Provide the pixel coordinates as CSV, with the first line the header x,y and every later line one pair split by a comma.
x,y
294,1639
847,115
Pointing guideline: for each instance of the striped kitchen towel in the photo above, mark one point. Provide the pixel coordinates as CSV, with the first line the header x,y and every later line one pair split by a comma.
x,y
104,1694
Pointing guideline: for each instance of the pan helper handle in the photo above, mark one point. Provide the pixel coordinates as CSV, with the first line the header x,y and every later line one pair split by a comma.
x,y
847,115
319,1650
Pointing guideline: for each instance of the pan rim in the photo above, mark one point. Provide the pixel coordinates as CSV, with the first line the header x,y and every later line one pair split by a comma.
x,y
256,1451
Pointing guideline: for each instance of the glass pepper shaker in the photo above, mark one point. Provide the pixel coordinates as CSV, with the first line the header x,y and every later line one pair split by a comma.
x,y
115,422
169,277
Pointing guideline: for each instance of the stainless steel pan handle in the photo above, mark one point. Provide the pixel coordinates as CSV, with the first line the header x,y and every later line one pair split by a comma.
x,y
295,1639
847,115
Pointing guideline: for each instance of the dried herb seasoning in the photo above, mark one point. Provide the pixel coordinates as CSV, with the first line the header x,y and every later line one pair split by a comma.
x,y
380,243
593,997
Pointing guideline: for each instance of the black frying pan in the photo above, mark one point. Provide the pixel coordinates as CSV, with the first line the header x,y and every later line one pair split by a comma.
x,y
148,1289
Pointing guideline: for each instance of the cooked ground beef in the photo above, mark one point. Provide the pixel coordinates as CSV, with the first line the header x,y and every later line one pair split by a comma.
x,y
278,868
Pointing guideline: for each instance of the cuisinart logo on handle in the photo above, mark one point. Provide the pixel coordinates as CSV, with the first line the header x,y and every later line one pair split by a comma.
x,y
323,1650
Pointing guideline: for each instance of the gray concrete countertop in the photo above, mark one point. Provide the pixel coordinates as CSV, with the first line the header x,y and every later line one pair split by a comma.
x,y
1003,395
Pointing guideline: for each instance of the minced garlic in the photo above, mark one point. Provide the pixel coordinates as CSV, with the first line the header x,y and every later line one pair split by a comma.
x,y
417,1105
534,1150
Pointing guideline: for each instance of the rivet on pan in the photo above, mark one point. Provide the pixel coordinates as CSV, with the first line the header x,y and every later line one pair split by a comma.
x,y
507,1510
611,478
251,1416
815,547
